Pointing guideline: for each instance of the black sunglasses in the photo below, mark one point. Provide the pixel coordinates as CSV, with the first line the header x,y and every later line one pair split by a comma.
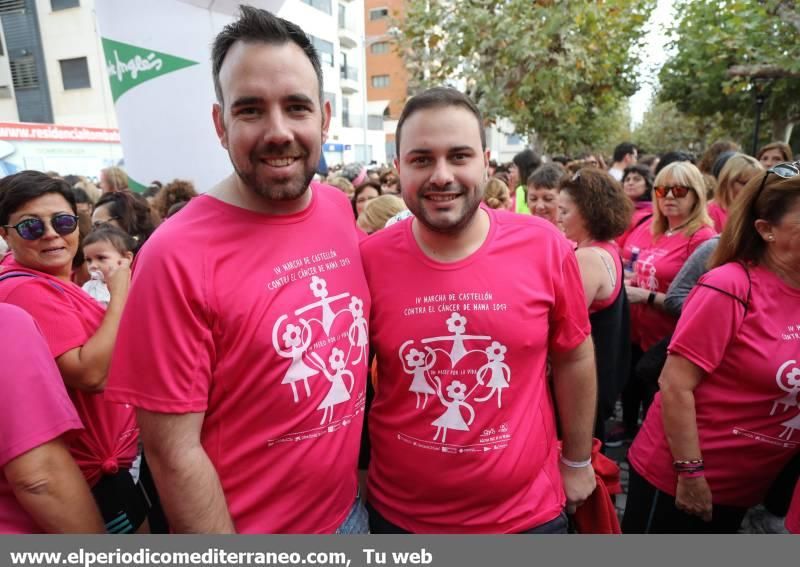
x,y
782,170
34,229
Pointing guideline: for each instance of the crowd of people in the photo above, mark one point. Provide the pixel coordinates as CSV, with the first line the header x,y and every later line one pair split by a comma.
x,y
449,345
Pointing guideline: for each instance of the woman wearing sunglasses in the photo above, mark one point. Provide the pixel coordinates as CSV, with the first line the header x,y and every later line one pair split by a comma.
x,y
39,221
663,243
727,419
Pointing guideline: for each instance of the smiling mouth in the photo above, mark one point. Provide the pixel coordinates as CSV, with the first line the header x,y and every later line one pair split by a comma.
x,y
280,162
52,250
441,197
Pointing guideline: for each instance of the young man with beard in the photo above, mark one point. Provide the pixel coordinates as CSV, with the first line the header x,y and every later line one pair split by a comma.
x,y
243,344
462,428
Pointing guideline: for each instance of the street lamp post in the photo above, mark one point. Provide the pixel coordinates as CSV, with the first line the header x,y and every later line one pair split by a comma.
x,y
761,86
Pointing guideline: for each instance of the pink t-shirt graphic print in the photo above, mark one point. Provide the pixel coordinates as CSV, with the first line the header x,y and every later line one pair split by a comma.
x,y
462,427
260,322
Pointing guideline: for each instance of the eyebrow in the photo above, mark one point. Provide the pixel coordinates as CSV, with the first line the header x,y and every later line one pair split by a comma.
x,y
454,149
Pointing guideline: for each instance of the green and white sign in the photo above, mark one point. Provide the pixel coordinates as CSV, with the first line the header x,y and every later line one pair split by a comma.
x,y
130,65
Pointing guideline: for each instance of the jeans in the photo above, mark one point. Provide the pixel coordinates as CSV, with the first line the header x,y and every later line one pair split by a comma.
x,y
357,521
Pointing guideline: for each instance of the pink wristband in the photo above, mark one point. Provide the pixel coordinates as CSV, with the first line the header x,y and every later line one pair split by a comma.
x,y
693,474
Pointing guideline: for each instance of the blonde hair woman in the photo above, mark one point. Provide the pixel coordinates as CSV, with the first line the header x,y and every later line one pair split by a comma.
x,y
496,194
738,170
378,211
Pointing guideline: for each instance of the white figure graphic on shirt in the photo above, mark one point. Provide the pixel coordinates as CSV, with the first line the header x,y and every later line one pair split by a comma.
x,y
496,353
456,324
339,393
296,340
417,364
792,387
452,418
357,333
652,281
319,288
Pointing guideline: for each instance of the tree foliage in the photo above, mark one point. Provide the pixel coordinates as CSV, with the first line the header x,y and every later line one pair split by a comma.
x,y
558,70
720,45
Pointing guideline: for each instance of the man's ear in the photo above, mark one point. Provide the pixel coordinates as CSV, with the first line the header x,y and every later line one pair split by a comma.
x,y
219,124
326,119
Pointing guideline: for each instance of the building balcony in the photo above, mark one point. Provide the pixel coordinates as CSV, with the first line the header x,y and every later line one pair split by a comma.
x,y
352,120
348,38
348,79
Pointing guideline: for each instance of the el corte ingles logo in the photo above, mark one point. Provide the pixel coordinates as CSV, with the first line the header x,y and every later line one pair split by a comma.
x,y
129,65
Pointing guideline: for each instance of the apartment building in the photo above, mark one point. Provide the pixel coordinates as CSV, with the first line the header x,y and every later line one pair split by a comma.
x,y
54,70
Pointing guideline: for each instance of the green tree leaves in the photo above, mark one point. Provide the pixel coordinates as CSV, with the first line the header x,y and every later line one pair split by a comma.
x,y
560,71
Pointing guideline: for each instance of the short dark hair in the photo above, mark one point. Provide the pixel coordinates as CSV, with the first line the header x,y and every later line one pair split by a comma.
x,y
672,157
17,189
438,97
81,196
605,208
259,26
547,176
119,239
623,149
360,189
527,161
645,172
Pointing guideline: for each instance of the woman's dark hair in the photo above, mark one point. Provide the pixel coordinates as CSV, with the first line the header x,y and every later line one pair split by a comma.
x,y
81,196
605,208
19,188
527,161
361,188
672,157
132,213
119,239
175,208
645,172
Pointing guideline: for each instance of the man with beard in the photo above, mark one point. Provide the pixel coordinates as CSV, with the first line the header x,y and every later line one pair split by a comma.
x,y
462,428
243,344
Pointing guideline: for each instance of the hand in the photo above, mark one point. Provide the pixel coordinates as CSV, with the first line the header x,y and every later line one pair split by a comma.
x,y
579,484
636,294
693,496
119,280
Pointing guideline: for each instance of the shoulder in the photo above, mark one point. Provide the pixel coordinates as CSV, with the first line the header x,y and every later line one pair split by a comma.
x,y
386,241
14,319
331,197
733,278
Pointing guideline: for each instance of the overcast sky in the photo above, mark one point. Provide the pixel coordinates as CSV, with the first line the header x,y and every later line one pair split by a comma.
x,y
652,59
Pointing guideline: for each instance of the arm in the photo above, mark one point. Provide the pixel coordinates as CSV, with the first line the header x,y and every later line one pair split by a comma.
x,y
86,367
641,295
575,389
186,480
678,381
687,277
50,487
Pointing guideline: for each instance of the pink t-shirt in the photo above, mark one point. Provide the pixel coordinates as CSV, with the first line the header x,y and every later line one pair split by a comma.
x,y
748,412
34,406
642,210
793,515
613,251
462,427
718,215
660,260
260,322
68,317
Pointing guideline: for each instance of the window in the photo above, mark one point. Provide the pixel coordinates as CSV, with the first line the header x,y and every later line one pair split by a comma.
x,y
57,5
322,5
513,140
12,6
331,98
75,73
5,91
380,81
23,72
325,50
379,47
374,122
378,13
